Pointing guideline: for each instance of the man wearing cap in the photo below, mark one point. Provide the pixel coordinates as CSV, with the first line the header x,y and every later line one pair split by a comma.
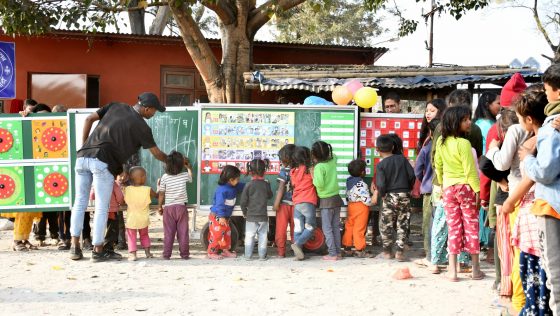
x,y
121,131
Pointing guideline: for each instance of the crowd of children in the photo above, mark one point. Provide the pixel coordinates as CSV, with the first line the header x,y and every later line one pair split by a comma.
x,y
490,183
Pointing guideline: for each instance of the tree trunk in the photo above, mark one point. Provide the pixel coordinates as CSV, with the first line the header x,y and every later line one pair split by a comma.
x,y
136,19
236,59
160,22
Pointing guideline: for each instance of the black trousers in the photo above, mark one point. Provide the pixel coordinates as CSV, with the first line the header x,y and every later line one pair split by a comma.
x,y
86,231
64,225
52,219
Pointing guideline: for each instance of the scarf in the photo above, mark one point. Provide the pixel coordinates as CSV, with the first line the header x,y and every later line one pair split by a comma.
x,y
552,108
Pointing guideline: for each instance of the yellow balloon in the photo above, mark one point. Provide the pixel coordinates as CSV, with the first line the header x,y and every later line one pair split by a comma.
x,y
365,97
341,95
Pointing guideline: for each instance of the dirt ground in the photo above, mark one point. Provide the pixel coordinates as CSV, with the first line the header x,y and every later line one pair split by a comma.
x,y
47,282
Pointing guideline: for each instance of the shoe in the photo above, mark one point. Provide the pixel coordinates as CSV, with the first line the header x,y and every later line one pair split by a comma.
x,y
148,253
76,253
29,245
100,256
19,246
229,254
263,258
114,255
362,254
399,255
87,245
298,252
64,245
42,243
330,258
132,256
122,246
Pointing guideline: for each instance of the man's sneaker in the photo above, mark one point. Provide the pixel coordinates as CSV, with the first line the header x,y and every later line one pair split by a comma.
x,y
100,256
122,246
76,253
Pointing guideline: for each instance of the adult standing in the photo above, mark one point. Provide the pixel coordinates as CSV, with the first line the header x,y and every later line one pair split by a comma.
x,y
120,133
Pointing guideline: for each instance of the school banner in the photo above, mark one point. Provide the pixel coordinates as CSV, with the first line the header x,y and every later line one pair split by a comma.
x,y
7,70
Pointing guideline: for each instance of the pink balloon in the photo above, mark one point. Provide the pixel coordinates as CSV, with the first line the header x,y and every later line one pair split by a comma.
x,y
353,86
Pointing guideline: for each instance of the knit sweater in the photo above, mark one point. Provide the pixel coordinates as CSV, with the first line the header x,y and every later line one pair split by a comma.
x,y
325,179
254,200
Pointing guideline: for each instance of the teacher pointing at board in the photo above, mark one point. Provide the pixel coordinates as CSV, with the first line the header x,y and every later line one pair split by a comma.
x,y
120,133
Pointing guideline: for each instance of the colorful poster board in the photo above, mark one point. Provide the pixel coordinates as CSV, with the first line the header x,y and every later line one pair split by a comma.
x,y
34,171
372,125
234,135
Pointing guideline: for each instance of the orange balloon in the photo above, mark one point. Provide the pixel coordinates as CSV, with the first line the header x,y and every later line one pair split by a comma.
x,y
341,95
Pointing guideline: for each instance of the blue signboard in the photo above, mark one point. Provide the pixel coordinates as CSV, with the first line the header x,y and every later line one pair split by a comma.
x,y
7,70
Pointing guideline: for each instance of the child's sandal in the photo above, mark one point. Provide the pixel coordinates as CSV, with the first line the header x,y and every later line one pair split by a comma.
x,y
29,245
19,246
215,256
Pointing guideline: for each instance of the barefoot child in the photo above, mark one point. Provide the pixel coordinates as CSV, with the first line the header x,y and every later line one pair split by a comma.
x,y
173,191
359,200
304,199
138,198
456,169
283,204
394,179
253,202
219,237
326,182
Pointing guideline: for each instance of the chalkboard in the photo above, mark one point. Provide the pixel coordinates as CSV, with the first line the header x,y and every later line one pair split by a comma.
x,y
262,130
174,129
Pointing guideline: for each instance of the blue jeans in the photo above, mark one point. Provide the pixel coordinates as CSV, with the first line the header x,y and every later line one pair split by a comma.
x,y
304,222
88,171
252,229
330,221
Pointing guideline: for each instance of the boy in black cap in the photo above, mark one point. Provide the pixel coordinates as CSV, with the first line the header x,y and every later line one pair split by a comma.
x,y
121,131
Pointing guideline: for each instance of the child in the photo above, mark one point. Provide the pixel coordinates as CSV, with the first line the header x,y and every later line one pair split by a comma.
x,y
304,199
253,204
219,237
173,191
457,172
393,186
545,171
326,182
283,204
359,200
524,234
138,198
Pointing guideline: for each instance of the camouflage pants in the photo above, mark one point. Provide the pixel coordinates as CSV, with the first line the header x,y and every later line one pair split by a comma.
x,y
395,213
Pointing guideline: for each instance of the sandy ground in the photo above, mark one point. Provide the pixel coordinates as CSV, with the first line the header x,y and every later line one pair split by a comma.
x,y
46,282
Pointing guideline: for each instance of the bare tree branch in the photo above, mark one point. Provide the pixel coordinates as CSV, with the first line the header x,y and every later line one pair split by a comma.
x,y
159,23
224,10
540,25
260,16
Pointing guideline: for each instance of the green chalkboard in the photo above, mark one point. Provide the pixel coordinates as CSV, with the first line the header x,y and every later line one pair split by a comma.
x,y
174,129
223,128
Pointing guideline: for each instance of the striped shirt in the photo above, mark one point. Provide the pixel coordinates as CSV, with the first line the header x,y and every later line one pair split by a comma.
x,y
174,188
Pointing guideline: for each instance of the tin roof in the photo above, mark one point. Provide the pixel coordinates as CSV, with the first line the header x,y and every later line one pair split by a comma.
x,y
317,78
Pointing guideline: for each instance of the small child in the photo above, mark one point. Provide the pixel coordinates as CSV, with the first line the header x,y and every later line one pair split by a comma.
x,y
219,237
304,199
173,191
253,204
359,200
326,182
456,170
138,198
283,204
394,180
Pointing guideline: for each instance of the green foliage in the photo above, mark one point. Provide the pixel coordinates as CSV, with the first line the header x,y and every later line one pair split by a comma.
x,y
343,22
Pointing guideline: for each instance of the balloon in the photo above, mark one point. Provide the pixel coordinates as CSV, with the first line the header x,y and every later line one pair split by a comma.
x,y
353,86
315,100
341,95
366,97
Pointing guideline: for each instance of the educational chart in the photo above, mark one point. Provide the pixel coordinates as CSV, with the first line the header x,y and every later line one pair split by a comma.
x,y
34,171
12,186
50,139
407,126
11,144
235,138
337,129
51,184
